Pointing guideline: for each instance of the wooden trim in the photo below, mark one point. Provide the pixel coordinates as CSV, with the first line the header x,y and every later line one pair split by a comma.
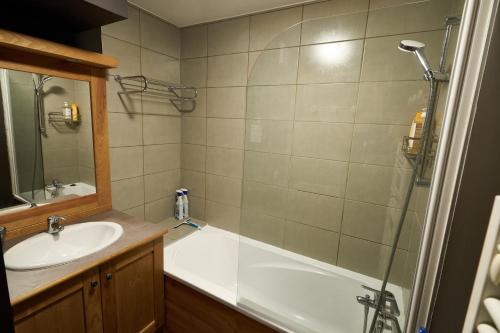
x,y
33,220
37,46
108,299
150,328
159,283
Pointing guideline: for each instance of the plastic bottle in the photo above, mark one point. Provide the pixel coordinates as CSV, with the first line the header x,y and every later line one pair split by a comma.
x,y
179,206
67,111
185,202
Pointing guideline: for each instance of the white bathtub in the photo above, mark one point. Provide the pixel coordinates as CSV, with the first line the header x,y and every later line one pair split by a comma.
x,y
291,292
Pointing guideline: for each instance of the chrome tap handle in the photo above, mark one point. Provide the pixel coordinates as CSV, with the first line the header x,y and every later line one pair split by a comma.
x,y
390,305
54,226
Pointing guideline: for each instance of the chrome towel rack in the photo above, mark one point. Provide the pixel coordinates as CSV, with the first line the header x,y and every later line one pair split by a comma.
x,y
182,97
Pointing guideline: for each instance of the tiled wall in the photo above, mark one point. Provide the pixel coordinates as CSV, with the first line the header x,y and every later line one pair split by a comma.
x,y
296,139
144,130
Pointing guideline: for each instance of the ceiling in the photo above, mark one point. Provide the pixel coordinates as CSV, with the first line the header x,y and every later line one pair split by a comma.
x,y
189,12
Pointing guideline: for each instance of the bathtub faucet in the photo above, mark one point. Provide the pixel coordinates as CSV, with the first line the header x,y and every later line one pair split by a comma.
x,y
388,313
188,222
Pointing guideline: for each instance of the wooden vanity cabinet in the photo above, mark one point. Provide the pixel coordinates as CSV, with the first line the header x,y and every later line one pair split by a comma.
x,y
122,295
73,306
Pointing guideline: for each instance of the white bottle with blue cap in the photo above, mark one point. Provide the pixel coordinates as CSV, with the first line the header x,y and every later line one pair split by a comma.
x,y
185,202
179,206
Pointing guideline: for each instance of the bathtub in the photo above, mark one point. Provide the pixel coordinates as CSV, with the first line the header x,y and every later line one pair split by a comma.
x,y
285,290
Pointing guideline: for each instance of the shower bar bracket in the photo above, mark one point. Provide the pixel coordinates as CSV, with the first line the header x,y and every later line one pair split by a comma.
x,y
183,98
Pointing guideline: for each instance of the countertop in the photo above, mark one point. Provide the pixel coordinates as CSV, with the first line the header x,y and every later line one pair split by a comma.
x,y
136,232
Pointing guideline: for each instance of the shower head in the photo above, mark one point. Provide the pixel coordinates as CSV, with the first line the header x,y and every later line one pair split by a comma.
x,y
39,80
416,48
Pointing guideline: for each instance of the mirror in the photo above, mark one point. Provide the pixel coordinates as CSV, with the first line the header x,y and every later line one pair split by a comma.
x,y
46,142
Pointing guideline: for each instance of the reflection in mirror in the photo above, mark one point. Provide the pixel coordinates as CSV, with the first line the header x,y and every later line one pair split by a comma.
x,y
46,146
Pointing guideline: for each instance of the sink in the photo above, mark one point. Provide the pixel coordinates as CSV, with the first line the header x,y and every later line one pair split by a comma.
x,y
74,242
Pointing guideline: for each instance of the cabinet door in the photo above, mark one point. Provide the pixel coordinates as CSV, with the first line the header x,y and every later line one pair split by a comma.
x,y
73,306
131,291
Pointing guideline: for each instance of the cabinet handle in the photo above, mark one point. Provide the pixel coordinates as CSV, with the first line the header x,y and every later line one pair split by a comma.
x,y
94,284
109,276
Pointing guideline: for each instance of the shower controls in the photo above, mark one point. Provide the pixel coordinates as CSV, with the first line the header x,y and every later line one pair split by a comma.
x,y
389,311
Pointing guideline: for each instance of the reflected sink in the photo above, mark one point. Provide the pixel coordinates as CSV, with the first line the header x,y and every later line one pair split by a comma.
x,y
74,242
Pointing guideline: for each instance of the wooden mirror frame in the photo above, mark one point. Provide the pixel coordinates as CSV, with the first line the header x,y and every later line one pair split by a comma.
x,y
29,54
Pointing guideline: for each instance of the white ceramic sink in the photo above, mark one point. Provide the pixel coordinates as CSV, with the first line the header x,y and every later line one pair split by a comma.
x,y
74,242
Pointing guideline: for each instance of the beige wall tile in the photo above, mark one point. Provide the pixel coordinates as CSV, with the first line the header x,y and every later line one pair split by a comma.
x,y
225,162
197,207
264,228
193,157
271,102
222,216
194,42
125,103
162,129
334,28
332,8
391,102
159,66
267,168
127,29
379,144
162,184
160,36
272,136
377,184
322,140
201,105
159,210
316,210
126,162
272,67
136,211
154,104
327,102
318,176
194,72
230,36
275,29
226,102
409,17
127,193
312,242
194,181
224,190
403,65
194,130
369,258
125,129
227,133
265,199
376,223
128,55
333,62
227,70
162,157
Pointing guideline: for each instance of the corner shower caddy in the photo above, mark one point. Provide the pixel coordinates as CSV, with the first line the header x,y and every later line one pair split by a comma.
x,y
183,98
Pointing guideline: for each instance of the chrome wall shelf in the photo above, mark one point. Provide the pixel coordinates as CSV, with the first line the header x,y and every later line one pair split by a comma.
x,y
412,156
58,118
182,98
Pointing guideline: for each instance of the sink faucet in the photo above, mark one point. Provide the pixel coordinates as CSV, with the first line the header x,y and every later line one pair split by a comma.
x,y
389,311
54,224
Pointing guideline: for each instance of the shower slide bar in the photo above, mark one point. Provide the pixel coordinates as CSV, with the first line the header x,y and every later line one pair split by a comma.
x,y
183,98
